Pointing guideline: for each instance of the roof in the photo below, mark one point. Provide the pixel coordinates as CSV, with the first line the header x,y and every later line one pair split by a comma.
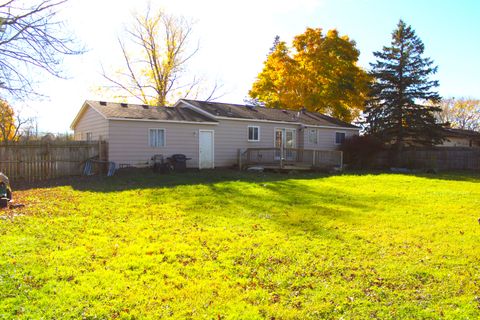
x,y
207,112
237,111
452,132
139,111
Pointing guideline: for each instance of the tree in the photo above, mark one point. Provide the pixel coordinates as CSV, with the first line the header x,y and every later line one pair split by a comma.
x,y
32,40
463,113
11,123
397,111
272,84
320,75
153,73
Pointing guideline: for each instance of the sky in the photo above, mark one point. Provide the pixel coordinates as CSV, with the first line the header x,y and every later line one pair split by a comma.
x,y
235,37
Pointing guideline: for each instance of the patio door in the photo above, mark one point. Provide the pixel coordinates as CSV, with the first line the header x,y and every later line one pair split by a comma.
x,y
285,139
206,153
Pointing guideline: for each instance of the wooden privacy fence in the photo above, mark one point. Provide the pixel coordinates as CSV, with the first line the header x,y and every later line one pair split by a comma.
x,y
38,160
445,158
290,158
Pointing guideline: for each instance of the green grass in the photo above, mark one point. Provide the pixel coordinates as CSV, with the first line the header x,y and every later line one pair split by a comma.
x,y
229,245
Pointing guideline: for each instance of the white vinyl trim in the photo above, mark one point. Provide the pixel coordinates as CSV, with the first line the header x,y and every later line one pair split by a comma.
x,y
199,110
164,138
309,135
286,122
208,114
248,133
335,137
81,112
163,121
281,128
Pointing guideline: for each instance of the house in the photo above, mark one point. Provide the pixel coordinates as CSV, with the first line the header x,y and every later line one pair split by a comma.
x,y
461,138
210,133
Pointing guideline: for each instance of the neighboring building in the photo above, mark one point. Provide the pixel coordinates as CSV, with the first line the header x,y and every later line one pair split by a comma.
x,y
461,138
210,133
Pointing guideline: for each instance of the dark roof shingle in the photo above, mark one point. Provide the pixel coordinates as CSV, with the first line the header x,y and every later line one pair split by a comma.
x,y
261,113
138,111
453,132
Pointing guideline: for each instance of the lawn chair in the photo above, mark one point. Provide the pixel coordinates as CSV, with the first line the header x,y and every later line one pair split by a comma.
x,y
160,165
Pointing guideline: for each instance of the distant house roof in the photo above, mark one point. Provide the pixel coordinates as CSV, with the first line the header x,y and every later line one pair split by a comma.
x,y
452,132
237,111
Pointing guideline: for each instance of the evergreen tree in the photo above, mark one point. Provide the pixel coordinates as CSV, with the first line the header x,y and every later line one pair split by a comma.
x,y
397,111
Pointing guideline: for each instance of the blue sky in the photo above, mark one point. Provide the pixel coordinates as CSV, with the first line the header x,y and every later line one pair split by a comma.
x,y
235,38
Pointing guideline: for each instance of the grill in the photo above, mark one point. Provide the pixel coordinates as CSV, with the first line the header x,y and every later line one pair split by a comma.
x,y
179,162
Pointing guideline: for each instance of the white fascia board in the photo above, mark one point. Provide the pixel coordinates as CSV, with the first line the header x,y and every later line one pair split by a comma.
x,y
80,114
260,120
332,127
286,122
163,121
197,109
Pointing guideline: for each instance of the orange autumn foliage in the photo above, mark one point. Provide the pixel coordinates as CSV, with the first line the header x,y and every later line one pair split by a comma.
x,y
7,122
319,73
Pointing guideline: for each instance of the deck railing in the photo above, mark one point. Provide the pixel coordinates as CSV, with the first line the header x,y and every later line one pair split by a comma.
x,y
289,157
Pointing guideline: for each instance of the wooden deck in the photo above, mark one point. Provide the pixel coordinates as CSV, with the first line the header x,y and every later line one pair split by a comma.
x,y
286,167
289,159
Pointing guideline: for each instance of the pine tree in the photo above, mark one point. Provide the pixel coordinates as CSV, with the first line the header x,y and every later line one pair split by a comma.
x,y
397,111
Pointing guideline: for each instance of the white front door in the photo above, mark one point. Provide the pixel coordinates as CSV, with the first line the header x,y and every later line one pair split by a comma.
x,y
206,149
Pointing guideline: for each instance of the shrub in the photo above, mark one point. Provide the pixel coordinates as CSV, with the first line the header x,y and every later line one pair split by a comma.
x,y
359,151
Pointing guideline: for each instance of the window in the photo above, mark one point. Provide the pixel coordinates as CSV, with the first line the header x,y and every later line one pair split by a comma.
x,y
339,137
312,136
88,136
253,133
156,138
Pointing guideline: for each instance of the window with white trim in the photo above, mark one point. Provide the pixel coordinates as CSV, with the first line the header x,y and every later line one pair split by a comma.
x,y
253,133
312,136
156,138
89,136
339,137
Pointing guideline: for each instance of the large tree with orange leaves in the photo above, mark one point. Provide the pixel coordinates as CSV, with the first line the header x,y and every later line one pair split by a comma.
x,y
319,73
8,129
11,123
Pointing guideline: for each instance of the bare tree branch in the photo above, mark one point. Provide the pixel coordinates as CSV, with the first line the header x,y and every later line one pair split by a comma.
x,y
31,36
462,113
156,75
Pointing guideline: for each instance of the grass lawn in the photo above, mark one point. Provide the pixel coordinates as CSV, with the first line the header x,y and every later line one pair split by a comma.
x,y
230,245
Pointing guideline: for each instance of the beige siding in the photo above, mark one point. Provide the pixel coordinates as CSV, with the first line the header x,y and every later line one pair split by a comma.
x,y
231,135
326,138
91,121
128,143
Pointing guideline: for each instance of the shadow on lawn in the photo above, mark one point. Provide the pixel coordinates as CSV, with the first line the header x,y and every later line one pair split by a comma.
x,y
287,199
133,179
459,175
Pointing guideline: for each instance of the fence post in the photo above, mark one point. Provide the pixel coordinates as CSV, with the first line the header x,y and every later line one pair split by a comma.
x,y
239,155
281,156
341,160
